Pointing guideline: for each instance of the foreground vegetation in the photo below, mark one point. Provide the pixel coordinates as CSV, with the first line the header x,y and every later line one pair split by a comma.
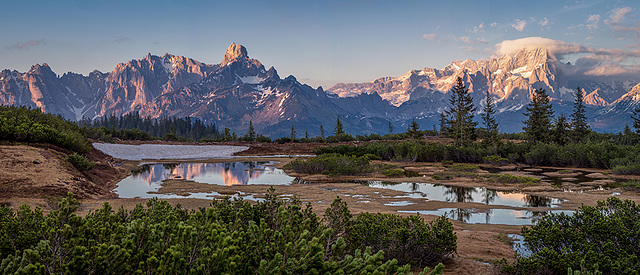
x,y
601,238
273,236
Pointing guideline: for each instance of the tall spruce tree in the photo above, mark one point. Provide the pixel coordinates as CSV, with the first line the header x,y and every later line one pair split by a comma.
x,y
292,135
414,129
561,130
390,128
579,117
489,121
457,121
321,131
251,133
338,131
539,114
636,119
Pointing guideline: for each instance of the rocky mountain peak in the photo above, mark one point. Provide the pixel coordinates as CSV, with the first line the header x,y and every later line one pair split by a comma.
x,y
234,52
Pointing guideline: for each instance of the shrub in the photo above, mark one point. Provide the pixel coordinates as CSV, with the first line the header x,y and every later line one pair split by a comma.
x,y
631,185
463,167
495,160
393,173
80,162
629,165
602,237
511,179
332,164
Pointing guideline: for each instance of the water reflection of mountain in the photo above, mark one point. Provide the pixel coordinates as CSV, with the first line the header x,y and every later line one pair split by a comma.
x,y
234,173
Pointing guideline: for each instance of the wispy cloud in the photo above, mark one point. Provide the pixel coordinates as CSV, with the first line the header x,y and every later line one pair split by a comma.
x,y
592,21
470,41
544,22
119,40
494,24
429,36
478,29
617,15
26,45
519,25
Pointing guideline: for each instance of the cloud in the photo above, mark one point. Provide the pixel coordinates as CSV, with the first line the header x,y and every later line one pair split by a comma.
x,y
519,25
592,21
543,23
26,45
494,24
429,36
470,41
478,29
586,61
617,15
121,39
553,46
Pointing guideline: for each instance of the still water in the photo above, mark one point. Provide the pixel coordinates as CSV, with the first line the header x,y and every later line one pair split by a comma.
x,y
491,216
149,177
439,192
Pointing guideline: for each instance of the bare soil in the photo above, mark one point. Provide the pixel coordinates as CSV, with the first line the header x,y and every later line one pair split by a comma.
x,y
32,174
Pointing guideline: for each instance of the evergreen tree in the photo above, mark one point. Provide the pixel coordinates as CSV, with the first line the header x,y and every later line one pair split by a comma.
x,y
227,134
321,131
292,135
539,113
490,124
636,119
306,134
561,130
578,117
338,131
390,128
457,121
414,129
251,134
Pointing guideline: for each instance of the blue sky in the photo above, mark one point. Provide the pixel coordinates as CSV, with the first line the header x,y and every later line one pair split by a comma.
x,y
320,42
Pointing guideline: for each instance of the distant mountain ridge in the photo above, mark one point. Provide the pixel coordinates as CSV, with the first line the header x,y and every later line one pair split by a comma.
x,y
241,89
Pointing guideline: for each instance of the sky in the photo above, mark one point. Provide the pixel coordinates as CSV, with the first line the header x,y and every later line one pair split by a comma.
x,y
320,42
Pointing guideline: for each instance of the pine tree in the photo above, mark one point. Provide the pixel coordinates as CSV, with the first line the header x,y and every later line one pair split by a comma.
x,y
306,134
539,114
636,119
321,131
292,135
251,133
561,130
390,128
578,117
457,121
338,131
414,129
490,124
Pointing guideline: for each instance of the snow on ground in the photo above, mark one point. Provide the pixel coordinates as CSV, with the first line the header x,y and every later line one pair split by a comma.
x,y
252,79
162,151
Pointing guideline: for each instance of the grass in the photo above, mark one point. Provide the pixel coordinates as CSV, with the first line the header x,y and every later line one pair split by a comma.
x,y
463,167
511,179
447,175
565,171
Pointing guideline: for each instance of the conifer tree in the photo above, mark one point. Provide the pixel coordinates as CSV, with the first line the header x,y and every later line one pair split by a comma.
x,y
539,114
390,128
292,135
338,131
578,117
489,121
414,129
636,119
457,121
561,134
321,131
251,134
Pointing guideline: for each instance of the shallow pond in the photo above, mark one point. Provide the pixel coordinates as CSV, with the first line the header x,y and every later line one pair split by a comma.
x,y
491,216
165,151
439,192
148,177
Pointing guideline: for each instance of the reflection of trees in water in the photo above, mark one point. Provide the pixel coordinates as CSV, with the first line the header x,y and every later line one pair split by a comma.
x,y
171,166
536,215
488,195
537,201
459,214
140,170
487,218
415,187
459,194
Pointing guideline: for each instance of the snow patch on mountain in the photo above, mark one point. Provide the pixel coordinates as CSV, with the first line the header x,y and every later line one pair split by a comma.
x,y
252,79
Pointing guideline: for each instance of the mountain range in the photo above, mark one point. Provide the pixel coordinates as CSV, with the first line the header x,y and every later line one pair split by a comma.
x,y
240,89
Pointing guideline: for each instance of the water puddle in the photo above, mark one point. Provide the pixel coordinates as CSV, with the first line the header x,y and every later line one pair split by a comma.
x,y
521,249
490,216
439,192
148,177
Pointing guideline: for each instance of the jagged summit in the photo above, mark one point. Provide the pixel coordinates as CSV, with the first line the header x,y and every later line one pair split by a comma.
x,y
234,52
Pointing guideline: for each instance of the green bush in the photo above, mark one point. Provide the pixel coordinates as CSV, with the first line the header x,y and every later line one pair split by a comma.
x,y
629,165
511,179
230,237
603,237
631,185
495,160
332,164
393,173
463,167
80,162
